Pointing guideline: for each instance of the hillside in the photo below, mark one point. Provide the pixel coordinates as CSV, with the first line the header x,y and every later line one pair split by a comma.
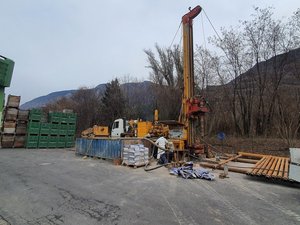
x,y
128,88
284,68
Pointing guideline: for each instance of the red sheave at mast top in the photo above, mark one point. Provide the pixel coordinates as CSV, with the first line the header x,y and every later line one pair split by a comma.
x,y
188,18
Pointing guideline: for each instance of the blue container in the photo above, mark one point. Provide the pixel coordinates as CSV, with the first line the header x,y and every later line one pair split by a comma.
x,y
104,148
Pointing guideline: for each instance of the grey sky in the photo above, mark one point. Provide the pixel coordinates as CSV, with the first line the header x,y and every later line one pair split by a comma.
x,y
65,44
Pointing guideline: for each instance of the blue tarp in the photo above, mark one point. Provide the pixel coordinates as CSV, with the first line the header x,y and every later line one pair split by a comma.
x,y
188,172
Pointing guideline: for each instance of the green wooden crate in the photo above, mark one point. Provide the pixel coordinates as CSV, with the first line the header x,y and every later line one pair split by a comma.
x,y
70,144
31,144
72,120
62,132
61,144
35,117
32,138
45,128
64,118
52,144
33,127
35,114
43,144
43,138
54,128
54,117
54,132
53,138
70,138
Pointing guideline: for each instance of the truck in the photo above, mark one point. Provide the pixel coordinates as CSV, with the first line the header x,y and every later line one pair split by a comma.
x,y
130,128
120,128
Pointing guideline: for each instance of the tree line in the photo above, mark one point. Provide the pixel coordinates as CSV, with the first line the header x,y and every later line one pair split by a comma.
x,y
250,78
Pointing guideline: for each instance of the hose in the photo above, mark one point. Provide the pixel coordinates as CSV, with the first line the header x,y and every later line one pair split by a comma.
x,y
159,166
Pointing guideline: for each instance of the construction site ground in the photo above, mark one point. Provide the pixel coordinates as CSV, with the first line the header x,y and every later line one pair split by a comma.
x,y
272,146
56,187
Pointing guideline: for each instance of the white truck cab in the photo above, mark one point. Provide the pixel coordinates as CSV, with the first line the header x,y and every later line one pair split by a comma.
x,y
122,128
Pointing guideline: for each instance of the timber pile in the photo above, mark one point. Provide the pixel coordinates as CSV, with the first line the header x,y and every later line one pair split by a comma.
x,y
272,167
265,165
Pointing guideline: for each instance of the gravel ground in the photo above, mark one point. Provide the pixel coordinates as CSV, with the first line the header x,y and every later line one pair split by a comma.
x,y
53,187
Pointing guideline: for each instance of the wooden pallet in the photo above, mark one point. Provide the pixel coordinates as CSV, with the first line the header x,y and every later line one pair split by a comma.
x,y
133,166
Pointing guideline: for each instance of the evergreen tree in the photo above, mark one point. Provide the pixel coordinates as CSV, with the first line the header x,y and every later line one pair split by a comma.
x,y
113,102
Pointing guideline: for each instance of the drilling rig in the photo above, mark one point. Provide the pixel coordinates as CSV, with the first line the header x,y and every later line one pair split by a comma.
x,y
193,107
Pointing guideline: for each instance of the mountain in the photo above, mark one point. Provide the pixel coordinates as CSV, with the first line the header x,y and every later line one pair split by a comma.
x,y
55,96
43,100
283,68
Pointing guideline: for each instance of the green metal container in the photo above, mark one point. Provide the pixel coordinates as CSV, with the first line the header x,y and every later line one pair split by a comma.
x,y
6,71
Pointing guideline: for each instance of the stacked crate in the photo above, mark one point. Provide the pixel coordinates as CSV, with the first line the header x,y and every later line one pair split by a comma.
x,y
21,129
58,131
63,127
14,124
33,128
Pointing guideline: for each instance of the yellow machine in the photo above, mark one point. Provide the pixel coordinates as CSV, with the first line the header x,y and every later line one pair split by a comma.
x,y
182,133
95,132
193,107
143,128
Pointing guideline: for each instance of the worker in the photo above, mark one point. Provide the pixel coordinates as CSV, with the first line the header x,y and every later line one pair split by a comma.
x,y
161,154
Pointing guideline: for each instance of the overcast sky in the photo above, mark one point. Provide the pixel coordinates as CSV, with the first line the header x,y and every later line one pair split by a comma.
x,y
65,44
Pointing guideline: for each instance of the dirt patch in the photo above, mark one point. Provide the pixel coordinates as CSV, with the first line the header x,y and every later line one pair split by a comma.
x,y
272,146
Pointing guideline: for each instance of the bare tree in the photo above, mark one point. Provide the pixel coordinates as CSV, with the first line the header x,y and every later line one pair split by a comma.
x,y
239,92
167,75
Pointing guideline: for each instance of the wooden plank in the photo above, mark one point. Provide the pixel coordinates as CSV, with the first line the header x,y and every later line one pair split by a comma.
x,y
280,172
258,166
253,161
254,155
264,165
232,169
276,170
271,170
226,161
267,168
286,169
